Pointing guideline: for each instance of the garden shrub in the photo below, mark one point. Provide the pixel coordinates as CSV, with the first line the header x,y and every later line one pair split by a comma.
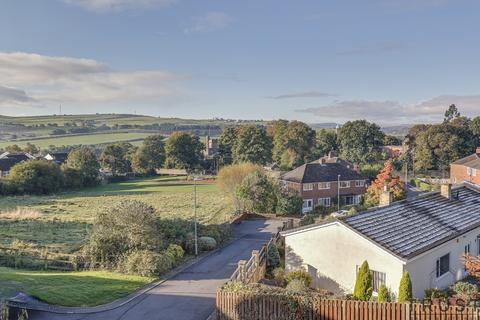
x,y
273,257
405,290
176,252
206,243
364,283
164,263
141,263
297,286
466,291
308,219
301,275
279,276
384,294
434,293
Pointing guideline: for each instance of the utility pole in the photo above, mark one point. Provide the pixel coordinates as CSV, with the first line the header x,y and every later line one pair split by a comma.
x,y
338,189
195,213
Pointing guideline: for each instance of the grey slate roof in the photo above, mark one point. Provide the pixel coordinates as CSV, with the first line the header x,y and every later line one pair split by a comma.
x,y
317,172
410,227
472,161
7,163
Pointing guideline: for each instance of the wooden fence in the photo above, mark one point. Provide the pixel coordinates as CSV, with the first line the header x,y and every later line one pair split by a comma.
x,y
239,306
254,269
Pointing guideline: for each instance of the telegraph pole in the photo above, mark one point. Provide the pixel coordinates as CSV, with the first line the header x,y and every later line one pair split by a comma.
x,y
195,213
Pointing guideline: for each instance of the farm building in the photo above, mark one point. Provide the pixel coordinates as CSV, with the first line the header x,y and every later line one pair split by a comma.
x,y
426,236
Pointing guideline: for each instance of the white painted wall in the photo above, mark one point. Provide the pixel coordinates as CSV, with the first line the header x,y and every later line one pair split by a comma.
x,y
422,268
335,251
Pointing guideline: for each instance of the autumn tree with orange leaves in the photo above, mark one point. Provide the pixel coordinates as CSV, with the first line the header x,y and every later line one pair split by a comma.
x,y
386,178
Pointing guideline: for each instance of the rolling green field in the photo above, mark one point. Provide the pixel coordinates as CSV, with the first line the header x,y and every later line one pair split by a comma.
x,y
61,222
86,288
88,139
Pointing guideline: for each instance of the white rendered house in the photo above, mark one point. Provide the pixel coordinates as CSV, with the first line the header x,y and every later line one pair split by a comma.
x,y
426,236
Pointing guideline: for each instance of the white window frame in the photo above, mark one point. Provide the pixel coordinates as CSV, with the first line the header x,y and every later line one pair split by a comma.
x,y
347,184
307,201
307,187
324,202
324,185
359,183
474,172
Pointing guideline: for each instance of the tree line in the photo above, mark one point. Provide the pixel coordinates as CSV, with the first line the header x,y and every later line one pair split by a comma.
x,y
293,143
435,146
82,167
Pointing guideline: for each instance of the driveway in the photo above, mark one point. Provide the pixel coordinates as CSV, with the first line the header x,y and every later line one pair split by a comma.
x,y
190,295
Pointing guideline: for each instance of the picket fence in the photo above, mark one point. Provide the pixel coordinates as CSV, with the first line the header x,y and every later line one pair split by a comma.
x,y
241,306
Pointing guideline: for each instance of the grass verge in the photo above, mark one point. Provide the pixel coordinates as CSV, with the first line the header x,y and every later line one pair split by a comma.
x,y
72,289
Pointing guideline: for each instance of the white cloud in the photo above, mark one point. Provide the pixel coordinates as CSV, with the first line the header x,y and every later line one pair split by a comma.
x,y
119,5
305,94
81,82
211,21
393,112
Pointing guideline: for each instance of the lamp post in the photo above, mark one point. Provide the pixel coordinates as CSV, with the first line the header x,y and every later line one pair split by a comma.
x,y
195,179
338,196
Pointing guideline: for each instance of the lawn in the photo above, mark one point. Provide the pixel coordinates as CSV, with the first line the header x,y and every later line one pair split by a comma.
x,y
88,139
86,288
63,221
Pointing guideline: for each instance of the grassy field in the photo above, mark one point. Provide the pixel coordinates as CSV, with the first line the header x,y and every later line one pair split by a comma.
x,y
87,288
61,222
89,139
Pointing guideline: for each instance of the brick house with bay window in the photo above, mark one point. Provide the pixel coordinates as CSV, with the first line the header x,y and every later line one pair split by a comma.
x,y
318,184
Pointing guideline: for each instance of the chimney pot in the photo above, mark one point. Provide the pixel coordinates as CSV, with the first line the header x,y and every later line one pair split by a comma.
x,y
386,197
446,190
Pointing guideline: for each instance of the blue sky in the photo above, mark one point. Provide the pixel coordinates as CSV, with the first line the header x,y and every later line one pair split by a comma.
x,y
389,61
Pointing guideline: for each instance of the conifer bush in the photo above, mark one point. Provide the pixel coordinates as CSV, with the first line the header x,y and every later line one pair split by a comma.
x,y
364,284
384,294
405,290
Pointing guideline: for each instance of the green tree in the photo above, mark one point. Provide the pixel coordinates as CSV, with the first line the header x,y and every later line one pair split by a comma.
x,y
384,294
183,151
150,156
276,130
259,192
475,129
14,148
31,148
451,113
36,177
293,143
364,284
405,290
439,145
225,145
392,141
359,141
252,145
116,158
84,160
326,142
288,202
300,141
